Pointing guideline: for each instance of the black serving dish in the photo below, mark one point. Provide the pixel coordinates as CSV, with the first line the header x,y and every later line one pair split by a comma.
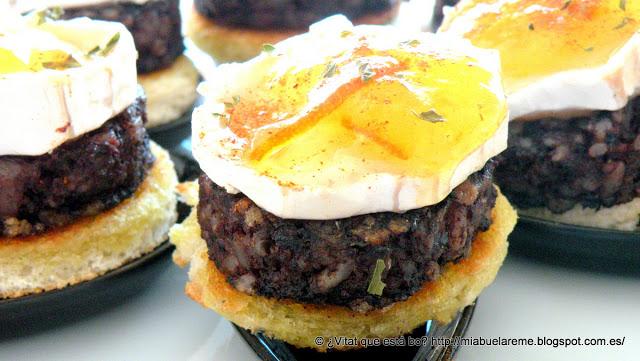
x,y
169,135
590,248
169,126
273,350
32,313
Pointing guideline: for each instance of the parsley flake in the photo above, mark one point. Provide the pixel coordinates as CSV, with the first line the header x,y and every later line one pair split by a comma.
x,y
66,63
94,51
236,100
330,70
268,47
624,22
110,44
429,116
375,284
412,43
48,14
365,71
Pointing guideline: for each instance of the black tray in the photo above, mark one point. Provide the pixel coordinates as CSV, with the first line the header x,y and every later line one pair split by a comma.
x,y
178,122
32,313
273,350
182,120
563,244
169,135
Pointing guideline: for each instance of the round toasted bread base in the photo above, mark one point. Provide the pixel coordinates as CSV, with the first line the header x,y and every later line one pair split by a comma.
x,y
621,217
95,245
171,92
234,44
299,324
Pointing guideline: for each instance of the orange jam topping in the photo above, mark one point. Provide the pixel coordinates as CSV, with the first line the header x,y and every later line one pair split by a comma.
x,y
406,110
541,37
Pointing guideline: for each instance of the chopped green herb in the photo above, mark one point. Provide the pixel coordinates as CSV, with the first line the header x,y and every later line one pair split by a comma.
x,y
55,13
531,27
345,33
220,115
107,48
52,13
330,70
624,22
566,4
375,284
429,116
268,48
93,51
236,100
68,62
412,43
589,49
110,44
365,71
224,118
623,5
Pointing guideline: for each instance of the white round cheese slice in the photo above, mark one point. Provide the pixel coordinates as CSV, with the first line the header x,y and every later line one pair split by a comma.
x,y
340,194
43,109
607,85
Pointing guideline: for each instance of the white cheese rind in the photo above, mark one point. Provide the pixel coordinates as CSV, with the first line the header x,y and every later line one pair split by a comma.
x,y
372,193
337,197
44,109
607,87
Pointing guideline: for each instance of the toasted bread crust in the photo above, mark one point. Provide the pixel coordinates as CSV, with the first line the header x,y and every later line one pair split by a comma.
x,y
94,245
227,44
621,217
299,324
171,92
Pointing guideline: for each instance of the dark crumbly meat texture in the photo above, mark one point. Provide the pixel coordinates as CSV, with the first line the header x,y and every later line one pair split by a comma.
x,y
155,26
593,161
286,14
82,177
438,14
332,262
